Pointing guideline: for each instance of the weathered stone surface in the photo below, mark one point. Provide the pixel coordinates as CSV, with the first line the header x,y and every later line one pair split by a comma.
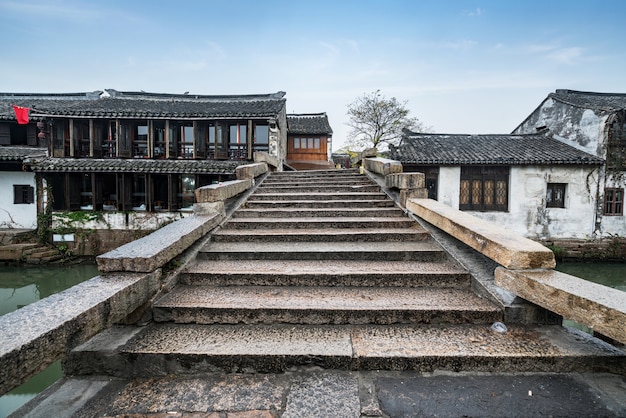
x,y
495,242
209,208
405,180
264,157
324,395
37,335
250,171
599,307
222,191
412,194
155,250
382,166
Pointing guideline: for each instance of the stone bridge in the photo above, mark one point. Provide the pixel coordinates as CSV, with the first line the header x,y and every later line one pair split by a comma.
x,y
329,293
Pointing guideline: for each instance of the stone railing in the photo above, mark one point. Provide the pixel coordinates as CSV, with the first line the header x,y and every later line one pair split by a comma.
x,y
39,334
525,266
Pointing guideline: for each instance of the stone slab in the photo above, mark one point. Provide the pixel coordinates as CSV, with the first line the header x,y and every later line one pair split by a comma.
x,y
222,191
310,393
153,251
187,349
264,157
382,166
601,308
37,335
250,171
405,180
496,242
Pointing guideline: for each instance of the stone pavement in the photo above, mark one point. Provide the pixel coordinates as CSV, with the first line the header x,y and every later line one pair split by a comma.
x,y
324,393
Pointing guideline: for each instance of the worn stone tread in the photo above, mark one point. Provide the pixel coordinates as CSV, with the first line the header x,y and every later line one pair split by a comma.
x,y
415,233
190,348
319,196
322,305
317,212
346,250
336,203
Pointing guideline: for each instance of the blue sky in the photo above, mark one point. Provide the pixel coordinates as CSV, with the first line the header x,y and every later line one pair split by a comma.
x,y
461,66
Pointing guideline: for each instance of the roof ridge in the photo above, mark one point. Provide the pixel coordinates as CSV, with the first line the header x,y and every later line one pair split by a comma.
x,y
187,96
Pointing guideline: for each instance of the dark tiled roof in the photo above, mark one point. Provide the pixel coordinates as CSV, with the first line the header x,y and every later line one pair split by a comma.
x,y
13,153
444,149
311,123
591,100
136,166
143,105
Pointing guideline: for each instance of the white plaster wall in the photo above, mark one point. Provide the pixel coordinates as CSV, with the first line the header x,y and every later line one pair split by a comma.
x,y
11,215
449,186
527,215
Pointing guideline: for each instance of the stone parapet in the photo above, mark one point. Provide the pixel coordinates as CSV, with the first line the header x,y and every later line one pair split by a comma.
x,y
495,242
264,157
155,250
222,191
39,334
405,180
601,308
250,171
382,166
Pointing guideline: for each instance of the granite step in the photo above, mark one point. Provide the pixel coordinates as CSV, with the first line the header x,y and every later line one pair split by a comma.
x,y
362,203
414,233
319,188
176,350
444,274
319,222
359,251
315,181
319,196
322,305
317,212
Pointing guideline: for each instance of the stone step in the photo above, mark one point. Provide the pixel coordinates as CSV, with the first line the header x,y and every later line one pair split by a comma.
x,y
175,350
414,233
271,181
363,203
322,305
320,174
443,274
359,251
317,212
317,223
318,196
319,188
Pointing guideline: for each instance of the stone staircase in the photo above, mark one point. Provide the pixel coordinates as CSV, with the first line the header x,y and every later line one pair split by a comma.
x,y
322,269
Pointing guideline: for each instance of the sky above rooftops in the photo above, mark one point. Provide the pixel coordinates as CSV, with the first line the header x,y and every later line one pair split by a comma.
x,y
476,67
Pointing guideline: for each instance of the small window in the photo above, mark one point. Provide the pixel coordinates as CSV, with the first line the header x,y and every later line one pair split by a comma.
x,y
555,197
23,194
614,202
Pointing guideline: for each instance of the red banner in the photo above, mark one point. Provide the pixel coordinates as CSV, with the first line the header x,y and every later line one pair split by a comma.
x,y
21,114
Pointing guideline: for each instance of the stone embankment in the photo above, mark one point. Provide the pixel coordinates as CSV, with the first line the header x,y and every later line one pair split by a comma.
x,y
320,297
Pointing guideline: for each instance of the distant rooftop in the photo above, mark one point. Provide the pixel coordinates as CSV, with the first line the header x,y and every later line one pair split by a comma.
x,y
119,104
18,153
456,149
591,100
309,123
119,165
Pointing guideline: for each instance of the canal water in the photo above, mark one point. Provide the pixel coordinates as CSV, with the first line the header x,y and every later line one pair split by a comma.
x,y
21,285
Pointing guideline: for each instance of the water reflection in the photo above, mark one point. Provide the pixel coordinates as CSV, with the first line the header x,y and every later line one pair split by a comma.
x,y
23,285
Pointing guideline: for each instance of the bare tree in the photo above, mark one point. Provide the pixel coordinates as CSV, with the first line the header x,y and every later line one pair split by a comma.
x,y
377,122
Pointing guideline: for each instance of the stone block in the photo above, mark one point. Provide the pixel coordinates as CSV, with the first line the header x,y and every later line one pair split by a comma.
x,y
209,208
382,166
601,308
250,171
405,180
406,194
264,157
155,250
222,191
497,243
